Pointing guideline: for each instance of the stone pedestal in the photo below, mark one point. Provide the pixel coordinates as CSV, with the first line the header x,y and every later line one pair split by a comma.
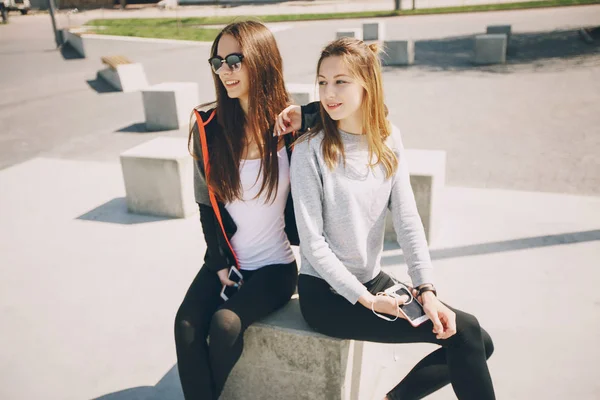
x,y
374,31
168,105
427,169
398,52
158,178
74,40
125,77
353,33
490,49
500,29
284,358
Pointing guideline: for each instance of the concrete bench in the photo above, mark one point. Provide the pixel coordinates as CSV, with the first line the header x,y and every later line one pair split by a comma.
x,y
122,74
158,178
167,105
490,49
302,93
284,358
374,31
398,52
74,40
427,169
353,33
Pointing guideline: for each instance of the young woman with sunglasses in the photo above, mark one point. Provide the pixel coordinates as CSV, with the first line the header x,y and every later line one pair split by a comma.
x,y
248,172
345,175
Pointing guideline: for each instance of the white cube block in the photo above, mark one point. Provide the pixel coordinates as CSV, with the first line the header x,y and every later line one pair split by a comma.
x,y
500,29
303,93
159,178
126,77
353,33
74,39
490,49
398,52
374,31
168,105
427,170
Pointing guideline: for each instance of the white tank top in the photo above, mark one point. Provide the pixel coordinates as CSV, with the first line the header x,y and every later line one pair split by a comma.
x,y
260,238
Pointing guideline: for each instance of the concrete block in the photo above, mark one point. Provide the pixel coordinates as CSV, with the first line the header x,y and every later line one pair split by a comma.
x,y
374,31
427,169
303,93
158,178
168,105
490,49
126,77
500,29
398,52
74,40
284,358
353,33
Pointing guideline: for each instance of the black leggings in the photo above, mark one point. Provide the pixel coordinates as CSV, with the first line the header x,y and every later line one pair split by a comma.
x,y
204,368
461,360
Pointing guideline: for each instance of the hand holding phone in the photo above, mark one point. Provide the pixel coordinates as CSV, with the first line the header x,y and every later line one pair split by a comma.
x,y
234,276
412,309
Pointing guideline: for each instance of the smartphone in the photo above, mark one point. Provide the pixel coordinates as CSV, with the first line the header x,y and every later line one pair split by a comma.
x,y
411,309
229,291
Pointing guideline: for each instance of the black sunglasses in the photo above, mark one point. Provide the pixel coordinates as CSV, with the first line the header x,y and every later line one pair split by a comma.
x,y
234,62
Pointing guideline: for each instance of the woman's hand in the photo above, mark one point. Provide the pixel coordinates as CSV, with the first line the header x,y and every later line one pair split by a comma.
x,y
443,318
383,304
223,275
288,120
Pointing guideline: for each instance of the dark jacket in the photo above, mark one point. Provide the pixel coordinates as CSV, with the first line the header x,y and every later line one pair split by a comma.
x,y
218,255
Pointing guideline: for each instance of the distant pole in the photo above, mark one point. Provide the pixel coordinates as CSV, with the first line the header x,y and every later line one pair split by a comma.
x,y
414,1
397,5
57,37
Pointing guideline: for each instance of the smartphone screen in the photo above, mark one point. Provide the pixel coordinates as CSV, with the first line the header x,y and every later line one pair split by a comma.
x,y
413,310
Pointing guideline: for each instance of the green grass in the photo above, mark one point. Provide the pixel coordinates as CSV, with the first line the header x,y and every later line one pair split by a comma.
x,y
161,32
191,28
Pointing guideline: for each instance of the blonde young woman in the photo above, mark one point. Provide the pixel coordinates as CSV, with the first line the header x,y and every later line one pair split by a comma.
x,y
345,174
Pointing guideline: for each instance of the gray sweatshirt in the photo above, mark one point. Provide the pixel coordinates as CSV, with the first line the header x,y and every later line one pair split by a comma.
x,y
341,215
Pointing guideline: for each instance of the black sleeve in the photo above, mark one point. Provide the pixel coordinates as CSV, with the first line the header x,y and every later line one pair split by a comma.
x,y
310,115
214,259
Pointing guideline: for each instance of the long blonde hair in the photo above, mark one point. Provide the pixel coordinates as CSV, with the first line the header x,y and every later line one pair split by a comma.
x,y
363,62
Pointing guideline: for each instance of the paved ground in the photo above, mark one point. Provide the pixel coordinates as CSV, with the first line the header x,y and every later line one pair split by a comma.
x,y
89,292
279,7
530,125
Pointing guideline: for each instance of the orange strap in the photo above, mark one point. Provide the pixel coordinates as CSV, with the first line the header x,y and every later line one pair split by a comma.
x,y
213,199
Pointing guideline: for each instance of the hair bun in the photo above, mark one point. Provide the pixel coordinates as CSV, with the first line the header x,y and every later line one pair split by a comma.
x,y
375,47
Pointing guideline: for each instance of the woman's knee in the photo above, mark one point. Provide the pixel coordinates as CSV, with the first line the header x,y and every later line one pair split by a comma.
x,y
487,343
185,331
468,331
225,327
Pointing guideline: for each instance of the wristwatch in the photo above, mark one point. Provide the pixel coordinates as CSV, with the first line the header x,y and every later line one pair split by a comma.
x,y
426,288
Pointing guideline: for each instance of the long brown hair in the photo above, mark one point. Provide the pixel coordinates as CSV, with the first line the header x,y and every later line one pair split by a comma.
x,y
267,97
363,62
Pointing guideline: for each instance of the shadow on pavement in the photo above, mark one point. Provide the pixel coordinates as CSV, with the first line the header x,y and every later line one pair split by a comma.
x,y
138,127
498,247
101,86
115,212
168,388
540,49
